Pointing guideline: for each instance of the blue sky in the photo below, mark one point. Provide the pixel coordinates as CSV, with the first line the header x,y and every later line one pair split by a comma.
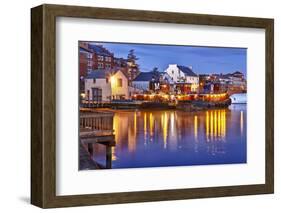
x,y
202,59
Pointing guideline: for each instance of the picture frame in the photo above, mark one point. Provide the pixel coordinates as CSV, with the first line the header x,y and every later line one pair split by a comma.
x,y
43,105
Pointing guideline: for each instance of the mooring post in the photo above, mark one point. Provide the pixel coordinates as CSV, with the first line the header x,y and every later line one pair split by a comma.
x,y
108,156
90,148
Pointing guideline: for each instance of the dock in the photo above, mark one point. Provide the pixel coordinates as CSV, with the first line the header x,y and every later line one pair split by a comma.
x,y
95,128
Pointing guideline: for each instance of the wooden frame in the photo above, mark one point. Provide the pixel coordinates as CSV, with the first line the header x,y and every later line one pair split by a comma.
x,y
43,105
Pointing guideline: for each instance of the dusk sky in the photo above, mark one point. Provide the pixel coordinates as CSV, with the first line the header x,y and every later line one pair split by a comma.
x,y
202,59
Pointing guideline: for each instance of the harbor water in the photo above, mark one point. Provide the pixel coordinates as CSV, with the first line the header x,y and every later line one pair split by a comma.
x,y
156,138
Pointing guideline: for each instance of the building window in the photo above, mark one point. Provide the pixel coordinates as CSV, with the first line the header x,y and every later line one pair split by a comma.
x,y
172,71
108,59
119,82
100,65
108,66
94,80
90,63
100,58
89,55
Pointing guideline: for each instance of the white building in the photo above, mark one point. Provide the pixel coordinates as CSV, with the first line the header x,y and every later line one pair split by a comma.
x,y
104,86
182,74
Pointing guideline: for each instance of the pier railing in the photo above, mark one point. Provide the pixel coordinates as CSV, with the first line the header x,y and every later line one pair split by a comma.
x,y
96,122
95,127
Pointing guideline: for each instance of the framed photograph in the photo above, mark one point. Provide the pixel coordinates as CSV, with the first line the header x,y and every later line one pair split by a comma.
x,y
136,106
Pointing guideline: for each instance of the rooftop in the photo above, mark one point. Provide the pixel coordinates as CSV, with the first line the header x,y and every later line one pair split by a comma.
x,y
147,76
187,70
82,49
100,50
97,74
102,74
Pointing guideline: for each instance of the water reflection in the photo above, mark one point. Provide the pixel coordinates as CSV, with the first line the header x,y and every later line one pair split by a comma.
x,y
171,138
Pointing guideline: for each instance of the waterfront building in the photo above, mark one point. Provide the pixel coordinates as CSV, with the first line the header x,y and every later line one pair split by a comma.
x,y
97,86
185,80
147,81
219,83
104,86
119,85
237,83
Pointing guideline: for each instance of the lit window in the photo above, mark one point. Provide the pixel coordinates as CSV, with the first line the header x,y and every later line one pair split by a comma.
x,y
119,82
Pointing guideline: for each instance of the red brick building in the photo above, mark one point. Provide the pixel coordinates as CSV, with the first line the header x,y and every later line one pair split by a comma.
x,y
94,57
85,59
102,59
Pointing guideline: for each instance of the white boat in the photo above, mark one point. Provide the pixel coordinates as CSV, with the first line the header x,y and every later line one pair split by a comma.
x,y
239,98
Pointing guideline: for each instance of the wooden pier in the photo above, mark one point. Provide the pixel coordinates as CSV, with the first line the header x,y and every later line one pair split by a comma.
x,y
96,128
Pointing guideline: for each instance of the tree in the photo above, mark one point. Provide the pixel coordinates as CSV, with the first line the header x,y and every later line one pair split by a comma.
x,y
131,56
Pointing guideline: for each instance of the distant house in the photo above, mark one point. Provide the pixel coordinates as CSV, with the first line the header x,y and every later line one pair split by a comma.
x,y
237,83
218,83
238,74
101,86
145,80
183,75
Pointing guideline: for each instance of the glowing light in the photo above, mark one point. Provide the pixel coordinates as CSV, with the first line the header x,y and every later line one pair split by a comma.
x,y
83,95
112,80
241,121
215,124
219,123
164,122
116,120
151,124
135,122
212,125
196,128
207,125
145,126
223,124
